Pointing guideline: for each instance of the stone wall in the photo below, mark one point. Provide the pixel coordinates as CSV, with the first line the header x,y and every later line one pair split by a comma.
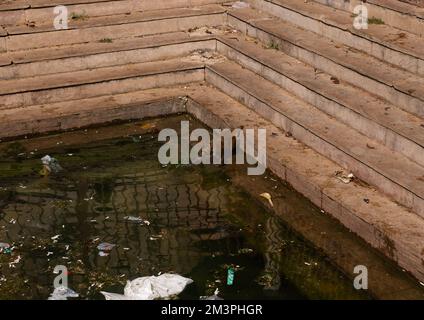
x,y
419,3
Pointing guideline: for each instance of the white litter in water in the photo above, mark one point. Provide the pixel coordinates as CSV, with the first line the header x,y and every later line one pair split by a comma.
x,y
16,261
106,246
4,245
267,196
151,288
63,293
212,297
51,164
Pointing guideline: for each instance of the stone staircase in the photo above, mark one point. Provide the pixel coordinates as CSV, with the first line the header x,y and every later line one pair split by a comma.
x,y
333,98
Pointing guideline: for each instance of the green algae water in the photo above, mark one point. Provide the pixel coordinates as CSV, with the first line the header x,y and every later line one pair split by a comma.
x,y
192,220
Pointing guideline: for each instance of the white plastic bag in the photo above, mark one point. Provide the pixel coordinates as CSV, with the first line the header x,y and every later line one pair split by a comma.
x,y
151,288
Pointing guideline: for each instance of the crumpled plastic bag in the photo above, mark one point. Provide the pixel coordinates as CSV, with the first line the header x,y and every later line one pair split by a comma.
x,y
63,293
106,246
212,297
151,288
5,247
50,165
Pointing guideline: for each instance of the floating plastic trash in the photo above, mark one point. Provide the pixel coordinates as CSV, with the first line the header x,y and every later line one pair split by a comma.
x,y
16,261
105,246
212,297
63,293
50,165
136,220
5,247
230,276
267,196
151,288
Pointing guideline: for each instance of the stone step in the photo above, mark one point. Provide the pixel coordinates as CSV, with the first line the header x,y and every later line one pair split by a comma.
x,y
368,160
79,113
19,93
109,28
401,88
398,14
387,226
393,230
25,12
384,122
32,63
38,12
418,3
366,113
400,48
25,4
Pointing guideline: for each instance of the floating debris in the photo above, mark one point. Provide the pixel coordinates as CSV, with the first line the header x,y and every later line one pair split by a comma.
x,y
5,248
137,220
156,237
245,251
105,246
4,245
148,126
50,165
16,261
89,198
150,288
63,293
212,297
230,276
267,196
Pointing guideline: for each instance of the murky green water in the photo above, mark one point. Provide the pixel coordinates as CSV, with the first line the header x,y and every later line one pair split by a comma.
x,y
199,224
